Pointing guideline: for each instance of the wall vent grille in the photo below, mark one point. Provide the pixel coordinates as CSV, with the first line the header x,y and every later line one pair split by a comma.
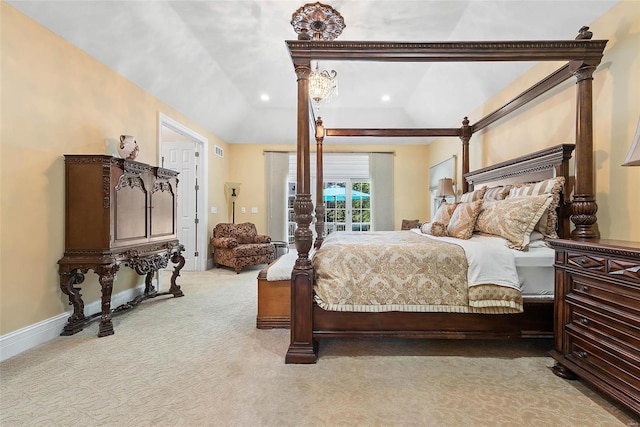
x,y
219,151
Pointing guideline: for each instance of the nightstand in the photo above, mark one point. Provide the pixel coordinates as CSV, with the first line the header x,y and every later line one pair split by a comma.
x,y
597,316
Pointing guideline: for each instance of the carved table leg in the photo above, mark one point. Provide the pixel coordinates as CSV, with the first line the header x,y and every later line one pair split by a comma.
x,y
178,259
107,274
149,289
76,321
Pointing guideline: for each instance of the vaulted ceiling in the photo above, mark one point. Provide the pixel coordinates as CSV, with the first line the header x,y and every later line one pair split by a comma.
x,y
214,60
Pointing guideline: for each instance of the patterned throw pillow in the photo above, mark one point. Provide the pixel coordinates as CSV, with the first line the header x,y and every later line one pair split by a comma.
x,y
463,219
444,212
472,196
437,229
548,223
513,219
496,193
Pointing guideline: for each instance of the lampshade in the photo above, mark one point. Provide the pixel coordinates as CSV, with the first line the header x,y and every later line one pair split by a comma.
x,y
445,187
633,157
233,190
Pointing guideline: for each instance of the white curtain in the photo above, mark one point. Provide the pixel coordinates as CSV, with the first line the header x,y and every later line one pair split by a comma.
x,y
275,181
381,173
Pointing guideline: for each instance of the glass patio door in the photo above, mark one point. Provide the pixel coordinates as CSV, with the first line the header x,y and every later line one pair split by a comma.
x,y
347,205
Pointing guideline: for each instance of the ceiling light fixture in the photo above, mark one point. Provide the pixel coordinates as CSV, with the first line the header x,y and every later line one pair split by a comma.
x,y
323,85
386,98
319,22
264,97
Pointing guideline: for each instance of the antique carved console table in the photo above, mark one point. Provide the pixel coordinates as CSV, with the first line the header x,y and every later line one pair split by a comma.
x,y
118,212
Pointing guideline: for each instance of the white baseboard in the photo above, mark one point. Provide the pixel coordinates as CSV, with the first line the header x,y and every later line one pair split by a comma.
x,y
31,336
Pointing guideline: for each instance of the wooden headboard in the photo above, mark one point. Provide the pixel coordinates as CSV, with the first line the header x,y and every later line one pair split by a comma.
x,y
544,164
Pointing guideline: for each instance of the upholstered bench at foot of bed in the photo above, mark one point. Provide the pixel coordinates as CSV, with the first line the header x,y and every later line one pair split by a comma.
x,y
274,296
274,303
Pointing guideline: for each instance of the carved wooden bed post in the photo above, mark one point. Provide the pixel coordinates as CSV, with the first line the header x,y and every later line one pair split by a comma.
x,y
301,347
319,185
584,206
465,136
313,21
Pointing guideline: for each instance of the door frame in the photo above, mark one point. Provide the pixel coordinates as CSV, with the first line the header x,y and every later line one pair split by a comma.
x,y
202,145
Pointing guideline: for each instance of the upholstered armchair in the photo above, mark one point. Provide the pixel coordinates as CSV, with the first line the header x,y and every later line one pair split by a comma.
x,y
240,245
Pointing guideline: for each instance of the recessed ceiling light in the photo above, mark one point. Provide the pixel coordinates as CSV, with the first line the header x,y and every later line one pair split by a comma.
x,y
385,98
264,97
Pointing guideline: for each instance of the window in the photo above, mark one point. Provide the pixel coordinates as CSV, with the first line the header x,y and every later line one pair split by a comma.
x,y
347,193
291,215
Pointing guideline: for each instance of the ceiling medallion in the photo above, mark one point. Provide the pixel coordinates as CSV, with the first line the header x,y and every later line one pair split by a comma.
x,y
317,21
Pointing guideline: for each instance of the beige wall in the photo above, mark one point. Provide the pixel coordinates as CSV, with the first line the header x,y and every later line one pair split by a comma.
x,y
410,178
57,100
551,121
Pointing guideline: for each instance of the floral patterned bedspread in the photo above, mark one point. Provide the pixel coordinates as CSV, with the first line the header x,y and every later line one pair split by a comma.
x,y
402,271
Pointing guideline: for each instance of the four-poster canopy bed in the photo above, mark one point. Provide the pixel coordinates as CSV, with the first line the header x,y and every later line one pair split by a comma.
x,y
309,322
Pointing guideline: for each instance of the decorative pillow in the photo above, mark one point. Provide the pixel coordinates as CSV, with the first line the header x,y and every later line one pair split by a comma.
x,y
496,193
548,223
463,219
472,196
513,219
437,229
444,212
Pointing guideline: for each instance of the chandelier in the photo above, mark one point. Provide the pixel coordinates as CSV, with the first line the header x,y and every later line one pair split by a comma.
x,y
323,85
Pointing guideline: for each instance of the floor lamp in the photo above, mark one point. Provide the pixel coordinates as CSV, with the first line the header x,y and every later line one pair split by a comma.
x,y
233,190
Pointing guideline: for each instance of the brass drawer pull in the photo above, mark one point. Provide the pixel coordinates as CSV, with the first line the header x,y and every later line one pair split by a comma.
x,y
583,321
584,288
582,354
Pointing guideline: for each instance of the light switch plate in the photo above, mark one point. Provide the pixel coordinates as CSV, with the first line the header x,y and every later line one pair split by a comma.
x,y
254,210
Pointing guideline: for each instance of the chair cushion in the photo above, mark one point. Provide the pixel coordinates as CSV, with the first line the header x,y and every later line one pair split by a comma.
x,y
245,232
253,249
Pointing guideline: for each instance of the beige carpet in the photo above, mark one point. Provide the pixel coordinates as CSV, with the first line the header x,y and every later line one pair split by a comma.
x,y
200,361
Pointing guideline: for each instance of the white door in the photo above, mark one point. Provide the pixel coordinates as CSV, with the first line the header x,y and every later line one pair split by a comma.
x,y
181,157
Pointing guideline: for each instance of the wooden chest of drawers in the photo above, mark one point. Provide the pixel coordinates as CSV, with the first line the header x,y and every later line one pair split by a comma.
x,y
597,316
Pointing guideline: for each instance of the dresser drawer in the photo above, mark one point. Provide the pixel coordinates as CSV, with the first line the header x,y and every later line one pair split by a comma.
x,y
605,363
623,296
587,261
609,265
610,328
